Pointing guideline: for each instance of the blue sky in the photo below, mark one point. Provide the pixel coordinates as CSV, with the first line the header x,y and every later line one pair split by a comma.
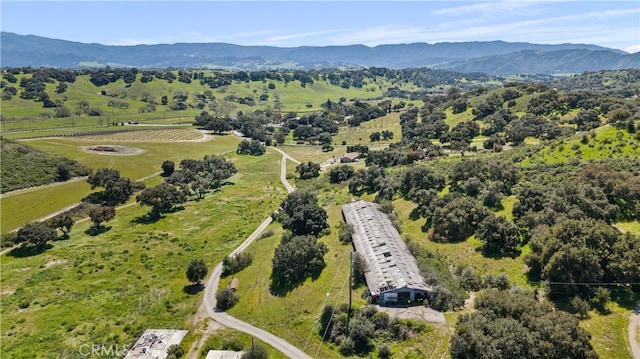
x,y
614,24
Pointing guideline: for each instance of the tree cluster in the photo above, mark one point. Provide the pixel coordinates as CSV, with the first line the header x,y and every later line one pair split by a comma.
x,y
299,254
340,173
199,176
578,256
196,270
226,298
355,335
117,190
253,147
162,198
35,236
236,263
301,215
23,166
212,123
515,325
308,170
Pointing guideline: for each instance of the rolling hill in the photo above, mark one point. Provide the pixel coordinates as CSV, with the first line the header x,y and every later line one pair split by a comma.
x,y
492,57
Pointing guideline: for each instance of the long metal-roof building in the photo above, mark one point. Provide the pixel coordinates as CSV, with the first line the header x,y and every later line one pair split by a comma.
x,y
392,273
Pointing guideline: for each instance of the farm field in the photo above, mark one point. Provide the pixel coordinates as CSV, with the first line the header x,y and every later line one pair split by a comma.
x,y
170,231
23,117
42,201
108,288
111,287
303,305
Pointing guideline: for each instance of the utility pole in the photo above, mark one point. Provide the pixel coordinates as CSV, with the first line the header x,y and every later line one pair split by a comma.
x,y
350,287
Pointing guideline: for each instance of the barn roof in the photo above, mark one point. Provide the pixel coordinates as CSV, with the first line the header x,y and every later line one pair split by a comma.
x,y
390,265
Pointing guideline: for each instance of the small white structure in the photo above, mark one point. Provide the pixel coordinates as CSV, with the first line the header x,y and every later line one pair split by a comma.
x,y
224,354
154,343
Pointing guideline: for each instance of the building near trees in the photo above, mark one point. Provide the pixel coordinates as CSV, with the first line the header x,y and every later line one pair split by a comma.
x,y
350,157
392,273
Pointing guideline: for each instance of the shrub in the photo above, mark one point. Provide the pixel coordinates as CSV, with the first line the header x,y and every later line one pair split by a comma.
x,y
256,351
384,352
234,264
175,351
227,298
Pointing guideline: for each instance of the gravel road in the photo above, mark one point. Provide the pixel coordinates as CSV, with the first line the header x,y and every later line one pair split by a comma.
x,y
209,297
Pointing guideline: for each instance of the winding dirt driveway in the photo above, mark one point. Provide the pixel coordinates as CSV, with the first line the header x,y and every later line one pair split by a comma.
x,y
208,307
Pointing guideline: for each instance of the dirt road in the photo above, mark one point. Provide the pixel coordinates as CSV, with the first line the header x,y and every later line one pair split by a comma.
x,y
634,332
208,306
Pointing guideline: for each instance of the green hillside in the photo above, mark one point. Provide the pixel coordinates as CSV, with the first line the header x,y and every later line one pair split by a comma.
x,y
515,194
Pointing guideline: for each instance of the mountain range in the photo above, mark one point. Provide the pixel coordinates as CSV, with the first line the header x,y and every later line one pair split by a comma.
x,y
491,57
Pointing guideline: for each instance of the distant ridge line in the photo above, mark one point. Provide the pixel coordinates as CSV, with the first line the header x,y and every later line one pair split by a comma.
x,y
491,57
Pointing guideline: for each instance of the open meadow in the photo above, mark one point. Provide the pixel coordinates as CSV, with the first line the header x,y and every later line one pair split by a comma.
x,y
157,146
109,288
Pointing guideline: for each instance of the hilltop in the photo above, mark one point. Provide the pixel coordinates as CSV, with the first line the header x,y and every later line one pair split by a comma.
x,y
492,57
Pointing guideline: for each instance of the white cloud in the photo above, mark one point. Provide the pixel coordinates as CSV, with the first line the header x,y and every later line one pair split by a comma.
x,y
384,34
494,9
251,35
284,38
132,42
632,49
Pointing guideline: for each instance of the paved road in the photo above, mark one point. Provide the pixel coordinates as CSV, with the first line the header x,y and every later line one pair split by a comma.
x,y
209,297
283,168
634,332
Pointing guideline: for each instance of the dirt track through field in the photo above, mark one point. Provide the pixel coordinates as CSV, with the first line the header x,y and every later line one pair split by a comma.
x,y
208,307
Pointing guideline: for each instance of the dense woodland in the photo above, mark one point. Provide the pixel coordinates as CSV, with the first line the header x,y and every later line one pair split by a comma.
x,y
563,212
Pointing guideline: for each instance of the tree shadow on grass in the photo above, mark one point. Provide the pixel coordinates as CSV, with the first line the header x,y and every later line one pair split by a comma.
x,y
148,218
415,214
94,198
281,289
627,297
62,237
194,288
499,255
94,231
27,251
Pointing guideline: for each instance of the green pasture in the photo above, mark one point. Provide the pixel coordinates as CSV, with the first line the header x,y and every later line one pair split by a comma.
x,y
462,253
21,115
294,97
360,134
109,288
294,315
29,205
453,119
305,153
603,142
610,338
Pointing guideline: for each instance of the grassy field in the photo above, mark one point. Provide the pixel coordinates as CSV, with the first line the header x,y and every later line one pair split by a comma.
x,y
604,142
20,116
30,205
109,288
360,134
609,332
463,253
294,316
